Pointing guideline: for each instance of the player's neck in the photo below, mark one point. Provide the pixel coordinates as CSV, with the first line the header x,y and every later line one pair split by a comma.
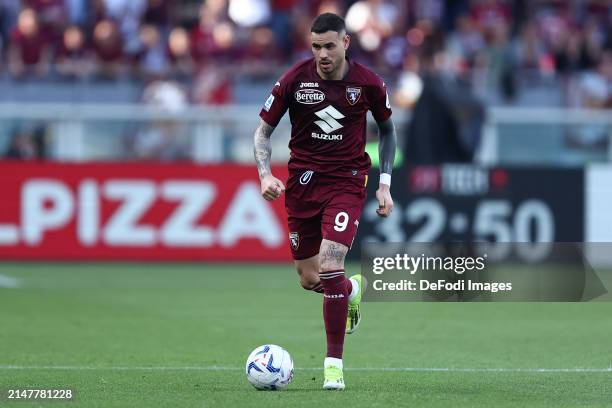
x,y
340,73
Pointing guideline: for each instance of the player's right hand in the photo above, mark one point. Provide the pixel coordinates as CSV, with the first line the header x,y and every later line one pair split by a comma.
x,y
271,188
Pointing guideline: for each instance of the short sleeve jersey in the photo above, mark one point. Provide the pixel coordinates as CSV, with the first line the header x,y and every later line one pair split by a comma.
x,y
328,117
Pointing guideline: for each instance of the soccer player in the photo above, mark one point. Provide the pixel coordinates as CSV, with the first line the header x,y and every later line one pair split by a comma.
x,y
328,97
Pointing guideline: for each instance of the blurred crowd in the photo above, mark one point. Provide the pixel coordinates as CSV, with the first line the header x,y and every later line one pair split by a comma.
x,y
152,39
197,49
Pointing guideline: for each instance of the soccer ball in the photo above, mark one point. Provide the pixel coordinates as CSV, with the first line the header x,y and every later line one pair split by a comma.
x,y
269,367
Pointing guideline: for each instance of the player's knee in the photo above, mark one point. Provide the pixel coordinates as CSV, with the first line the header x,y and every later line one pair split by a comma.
x,y
309,284
309,278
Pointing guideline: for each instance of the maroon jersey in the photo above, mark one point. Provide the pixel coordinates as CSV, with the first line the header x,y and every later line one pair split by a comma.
x,y
328,117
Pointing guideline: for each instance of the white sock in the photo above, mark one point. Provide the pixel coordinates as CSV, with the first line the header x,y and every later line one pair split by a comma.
x,y
354,289
332,361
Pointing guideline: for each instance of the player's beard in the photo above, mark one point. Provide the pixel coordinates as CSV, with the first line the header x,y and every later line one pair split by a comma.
x,y
327,69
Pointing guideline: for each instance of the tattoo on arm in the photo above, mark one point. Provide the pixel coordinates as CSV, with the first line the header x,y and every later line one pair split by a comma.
x,y
262,148
386,145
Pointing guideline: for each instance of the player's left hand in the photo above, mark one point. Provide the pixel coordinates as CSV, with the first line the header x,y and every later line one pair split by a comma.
x,y
385,202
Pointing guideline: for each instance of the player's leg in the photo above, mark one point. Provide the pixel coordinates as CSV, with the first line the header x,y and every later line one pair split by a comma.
x,y
341,295
308,270
305,241
340,221
304,223
336,290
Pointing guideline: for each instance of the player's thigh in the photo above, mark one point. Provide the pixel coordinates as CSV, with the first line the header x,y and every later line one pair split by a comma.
x,y
332,255
341,216
303,220
304,237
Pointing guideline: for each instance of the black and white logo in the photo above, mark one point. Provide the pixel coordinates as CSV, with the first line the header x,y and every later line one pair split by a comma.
x,y
353,94
294,239
309,96
328,122
305,177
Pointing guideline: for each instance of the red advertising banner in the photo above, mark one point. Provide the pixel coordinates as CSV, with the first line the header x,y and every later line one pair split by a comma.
x,y
138,211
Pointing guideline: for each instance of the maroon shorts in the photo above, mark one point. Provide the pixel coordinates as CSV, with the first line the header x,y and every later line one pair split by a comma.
x,y
322,207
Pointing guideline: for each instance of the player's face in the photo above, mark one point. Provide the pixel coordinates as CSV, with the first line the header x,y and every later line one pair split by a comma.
x,y
329,50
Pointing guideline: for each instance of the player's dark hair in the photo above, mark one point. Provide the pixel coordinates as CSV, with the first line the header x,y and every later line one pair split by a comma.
x,y
328,22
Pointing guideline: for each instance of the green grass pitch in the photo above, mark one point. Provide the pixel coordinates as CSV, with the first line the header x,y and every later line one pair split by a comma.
x,y
129,335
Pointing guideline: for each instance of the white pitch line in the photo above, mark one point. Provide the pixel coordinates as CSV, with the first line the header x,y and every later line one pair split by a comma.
x,y
374,369
8,282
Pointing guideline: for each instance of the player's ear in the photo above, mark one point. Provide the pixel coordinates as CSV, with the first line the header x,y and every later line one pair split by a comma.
x,y
346,40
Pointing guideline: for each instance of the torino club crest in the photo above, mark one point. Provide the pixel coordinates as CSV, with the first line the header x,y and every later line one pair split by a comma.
x,y
294,239
353,94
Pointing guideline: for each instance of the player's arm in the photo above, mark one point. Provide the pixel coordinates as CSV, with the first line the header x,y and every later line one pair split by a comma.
x,y
386,153
271,187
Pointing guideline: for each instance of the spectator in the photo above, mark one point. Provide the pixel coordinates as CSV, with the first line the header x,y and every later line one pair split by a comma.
x,y
465,42
96,12
213,38
127,14
27,143
395,47
530,52
490,13
153,57
330,6
159,14
52,16
74,58
373,21
29,50
212,86
596,85
568,52
249,13
280,24
179,53
76,11
594,92
500,61
9,10
430,10
261,53
410,84
447,118
594,39
108,50
165,139
300,37
552,20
